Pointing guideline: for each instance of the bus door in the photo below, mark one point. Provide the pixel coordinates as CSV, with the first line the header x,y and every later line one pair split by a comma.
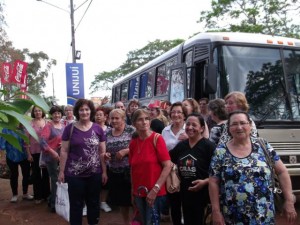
x,y
197,80
177,83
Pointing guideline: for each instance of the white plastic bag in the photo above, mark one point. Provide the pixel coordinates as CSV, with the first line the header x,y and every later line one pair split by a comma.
x,y
62,204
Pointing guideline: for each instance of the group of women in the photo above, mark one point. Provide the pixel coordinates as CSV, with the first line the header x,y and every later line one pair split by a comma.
x,y
230,170
225,165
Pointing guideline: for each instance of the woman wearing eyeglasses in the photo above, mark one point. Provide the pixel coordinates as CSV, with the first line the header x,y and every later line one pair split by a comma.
x,y
172,134
240,179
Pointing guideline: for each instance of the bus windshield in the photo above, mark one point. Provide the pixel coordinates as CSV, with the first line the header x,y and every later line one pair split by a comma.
x,y
268,76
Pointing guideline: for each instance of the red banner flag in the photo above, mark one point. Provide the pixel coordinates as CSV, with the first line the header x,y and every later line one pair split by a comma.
x,y
6,72
19,72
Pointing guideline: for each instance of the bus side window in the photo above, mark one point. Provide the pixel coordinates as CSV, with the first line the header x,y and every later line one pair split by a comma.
x,y
124,92
133,88
143,85
162,81
117,93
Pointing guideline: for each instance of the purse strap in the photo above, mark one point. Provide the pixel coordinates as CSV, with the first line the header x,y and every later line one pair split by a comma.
x,y
156,135
262,144
269,161
71,132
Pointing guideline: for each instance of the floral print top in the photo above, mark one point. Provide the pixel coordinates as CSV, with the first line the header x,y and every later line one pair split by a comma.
x,y
245,185
117,143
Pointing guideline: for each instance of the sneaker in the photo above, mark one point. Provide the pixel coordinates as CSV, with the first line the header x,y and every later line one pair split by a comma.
x,y
84,211
105,207
27,197
14,199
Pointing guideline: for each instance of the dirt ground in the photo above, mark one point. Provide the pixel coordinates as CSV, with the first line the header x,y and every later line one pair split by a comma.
x,y
27,213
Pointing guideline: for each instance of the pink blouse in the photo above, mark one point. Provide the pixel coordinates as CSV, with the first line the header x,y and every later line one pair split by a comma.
x,y
35,146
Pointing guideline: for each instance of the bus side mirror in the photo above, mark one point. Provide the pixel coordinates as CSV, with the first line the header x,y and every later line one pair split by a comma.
x,y
210,79
297,83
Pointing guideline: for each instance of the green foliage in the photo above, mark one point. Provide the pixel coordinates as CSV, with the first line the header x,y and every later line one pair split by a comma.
x,y
274,17
135,59
14,111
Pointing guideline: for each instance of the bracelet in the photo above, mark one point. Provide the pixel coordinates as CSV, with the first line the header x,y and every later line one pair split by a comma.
x,y
157,186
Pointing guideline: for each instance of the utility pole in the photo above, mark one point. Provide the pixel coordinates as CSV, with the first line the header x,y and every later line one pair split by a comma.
x,y
71,12
72,31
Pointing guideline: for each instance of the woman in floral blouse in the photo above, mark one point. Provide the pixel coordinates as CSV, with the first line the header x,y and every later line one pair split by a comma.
x,y
240,179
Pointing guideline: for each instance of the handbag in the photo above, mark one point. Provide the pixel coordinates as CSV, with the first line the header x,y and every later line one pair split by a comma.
x,y
207,218
4,171
277,191
42,162
173,181
62,203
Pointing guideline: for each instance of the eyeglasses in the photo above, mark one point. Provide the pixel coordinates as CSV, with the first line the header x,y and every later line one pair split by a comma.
x,y
242,124
176,112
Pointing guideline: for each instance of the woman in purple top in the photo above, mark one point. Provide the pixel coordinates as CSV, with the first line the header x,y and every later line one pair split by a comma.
x,y
81,163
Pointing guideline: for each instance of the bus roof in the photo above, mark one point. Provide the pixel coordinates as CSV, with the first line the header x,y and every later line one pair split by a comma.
x,y
226,37
246,38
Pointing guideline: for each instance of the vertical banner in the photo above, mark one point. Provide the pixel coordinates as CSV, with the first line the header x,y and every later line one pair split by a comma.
x,y
75,82
6,73
19,72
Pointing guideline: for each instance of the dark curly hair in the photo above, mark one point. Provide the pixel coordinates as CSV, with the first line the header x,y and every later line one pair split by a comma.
x,y
56,108
79,103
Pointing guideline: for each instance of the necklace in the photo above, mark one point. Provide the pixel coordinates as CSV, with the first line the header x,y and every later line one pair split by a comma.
x,y
143,138
140,147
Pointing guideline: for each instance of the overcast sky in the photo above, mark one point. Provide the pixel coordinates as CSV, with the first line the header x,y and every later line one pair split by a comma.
x,y
108,31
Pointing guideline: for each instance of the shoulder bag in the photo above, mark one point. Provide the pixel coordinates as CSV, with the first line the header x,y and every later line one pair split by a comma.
x,y
278,195
173,180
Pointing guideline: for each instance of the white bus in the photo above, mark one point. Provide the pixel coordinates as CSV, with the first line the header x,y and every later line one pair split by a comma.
x,y
266,68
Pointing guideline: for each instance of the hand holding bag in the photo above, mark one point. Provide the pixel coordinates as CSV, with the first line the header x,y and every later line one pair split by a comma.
x,y
173,181
62,204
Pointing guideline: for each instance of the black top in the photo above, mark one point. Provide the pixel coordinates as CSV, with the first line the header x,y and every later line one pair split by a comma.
x,y
193,163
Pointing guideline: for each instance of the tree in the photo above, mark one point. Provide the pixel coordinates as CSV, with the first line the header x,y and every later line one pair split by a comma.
x,y
274,17
135,59
39,63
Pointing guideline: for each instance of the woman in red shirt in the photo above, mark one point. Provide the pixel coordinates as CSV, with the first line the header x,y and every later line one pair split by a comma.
x,y
150,166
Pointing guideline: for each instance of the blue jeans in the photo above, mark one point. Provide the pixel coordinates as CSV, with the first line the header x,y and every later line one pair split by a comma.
x,y
146,211
52,166
84,190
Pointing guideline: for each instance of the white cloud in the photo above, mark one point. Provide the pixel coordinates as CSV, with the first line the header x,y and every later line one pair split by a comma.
x,y
109,30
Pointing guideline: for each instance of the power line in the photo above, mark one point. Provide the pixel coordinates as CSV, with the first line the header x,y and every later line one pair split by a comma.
x,y
84,13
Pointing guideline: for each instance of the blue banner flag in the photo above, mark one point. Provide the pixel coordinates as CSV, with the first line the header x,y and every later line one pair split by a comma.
x,y
75,82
